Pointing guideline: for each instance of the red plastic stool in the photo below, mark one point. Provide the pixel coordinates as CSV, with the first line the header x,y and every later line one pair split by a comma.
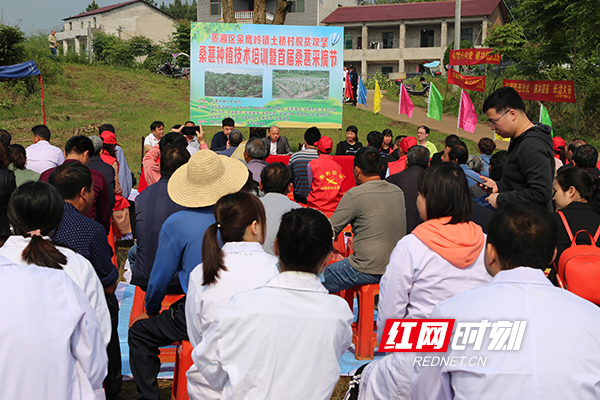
x,y
364,332
183,362
111,242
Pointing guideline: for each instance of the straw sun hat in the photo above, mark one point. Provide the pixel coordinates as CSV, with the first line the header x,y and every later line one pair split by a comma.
x,y
205,179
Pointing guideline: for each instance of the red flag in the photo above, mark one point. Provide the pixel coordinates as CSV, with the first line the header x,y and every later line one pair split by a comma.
x,y
473,57
560,91
349,94
476,83
467,116
405,104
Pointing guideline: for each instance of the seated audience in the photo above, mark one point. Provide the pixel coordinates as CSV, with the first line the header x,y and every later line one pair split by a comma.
x,y
35,210
157,130
417,159
398,166
437,157
326,178
387,146
394,155
376,230
97,164
276,144
456,152
151,161
276,183
351,145
422,136
573,145
586,157
192,140
126,178
497,164
299,161
486,147
375,139
41,155
79,150
520,245
442,257
233,261
293,315
219,141
255,155
18,159
233,140
8,184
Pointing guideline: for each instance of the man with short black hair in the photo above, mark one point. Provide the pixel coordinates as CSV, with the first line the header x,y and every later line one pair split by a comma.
x,y
376,229
79,150
375,139
521,243
417,159
586,157
219,141
234,139
87,237
299,162
41,155
422,135
255,154
529,169
276,183
456,152
157,130
573,145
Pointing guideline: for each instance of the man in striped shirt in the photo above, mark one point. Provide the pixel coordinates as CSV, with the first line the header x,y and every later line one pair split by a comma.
x,y
299,162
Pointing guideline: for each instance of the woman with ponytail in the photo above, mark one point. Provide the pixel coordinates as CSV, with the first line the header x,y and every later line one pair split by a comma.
x,y
35,209
282,340
239,265
577,197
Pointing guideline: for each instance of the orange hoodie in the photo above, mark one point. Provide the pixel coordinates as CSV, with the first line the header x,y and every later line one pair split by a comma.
x,y
459,244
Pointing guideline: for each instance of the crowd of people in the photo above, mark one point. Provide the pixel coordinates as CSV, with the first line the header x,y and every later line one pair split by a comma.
x,y
247,244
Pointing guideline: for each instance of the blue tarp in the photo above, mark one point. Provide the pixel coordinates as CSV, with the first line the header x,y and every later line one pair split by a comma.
x,y
19,71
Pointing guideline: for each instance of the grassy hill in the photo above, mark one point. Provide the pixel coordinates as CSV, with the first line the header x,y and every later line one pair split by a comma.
x,y
84,97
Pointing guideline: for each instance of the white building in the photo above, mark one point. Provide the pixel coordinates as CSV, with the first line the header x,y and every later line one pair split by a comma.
x,y
125,20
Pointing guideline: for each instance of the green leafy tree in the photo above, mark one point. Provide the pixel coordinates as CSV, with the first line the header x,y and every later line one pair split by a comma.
x,y
181,10
11,44
92,6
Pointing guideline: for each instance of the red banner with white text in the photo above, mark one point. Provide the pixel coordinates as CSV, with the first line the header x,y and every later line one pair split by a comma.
x,y
474,57
558,91
476,83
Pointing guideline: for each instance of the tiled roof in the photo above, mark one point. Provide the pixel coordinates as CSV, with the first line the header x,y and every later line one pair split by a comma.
x,y
112,7
407,11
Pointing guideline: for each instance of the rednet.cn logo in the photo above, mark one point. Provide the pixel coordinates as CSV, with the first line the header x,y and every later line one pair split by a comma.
x,y
433,335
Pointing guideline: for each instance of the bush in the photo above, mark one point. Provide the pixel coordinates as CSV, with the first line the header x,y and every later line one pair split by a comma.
x,y
384,82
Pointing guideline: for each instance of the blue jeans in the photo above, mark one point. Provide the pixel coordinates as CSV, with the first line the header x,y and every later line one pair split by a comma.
x,y
131,255
53,53
341,275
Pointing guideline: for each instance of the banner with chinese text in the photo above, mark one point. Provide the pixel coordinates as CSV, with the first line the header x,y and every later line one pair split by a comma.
x,y
474,57
261,75
476,83
559,91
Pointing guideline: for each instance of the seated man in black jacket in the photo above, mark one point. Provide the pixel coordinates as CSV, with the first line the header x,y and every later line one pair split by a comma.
x,y
219,141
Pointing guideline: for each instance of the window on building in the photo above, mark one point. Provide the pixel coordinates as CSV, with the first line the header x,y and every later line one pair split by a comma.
x,y
348,41
387,70
388,40
359,43
466,34
297,6
215,7
427,38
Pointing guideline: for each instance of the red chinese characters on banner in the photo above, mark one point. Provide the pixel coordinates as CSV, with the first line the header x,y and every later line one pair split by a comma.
x,y
232,55
558,91
476,83
474,57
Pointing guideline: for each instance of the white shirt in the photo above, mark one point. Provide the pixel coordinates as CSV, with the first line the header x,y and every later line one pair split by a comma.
x,y
51,345
248,267
273,148
79,269
416,279
42,156
151,140
280,341
559,353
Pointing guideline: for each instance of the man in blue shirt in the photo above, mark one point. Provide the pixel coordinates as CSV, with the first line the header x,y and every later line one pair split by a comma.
x,y
152,207
197,186
87,237
219,141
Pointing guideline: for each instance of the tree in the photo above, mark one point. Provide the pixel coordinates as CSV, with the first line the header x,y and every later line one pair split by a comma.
x,y
228,12
92,6
11,44
181,10
260,12
281,10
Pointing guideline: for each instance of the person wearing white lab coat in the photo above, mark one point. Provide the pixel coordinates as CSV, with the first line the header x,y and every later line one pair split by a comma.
x,y
52,346
240,265
282,340
441,257
558,356
35,209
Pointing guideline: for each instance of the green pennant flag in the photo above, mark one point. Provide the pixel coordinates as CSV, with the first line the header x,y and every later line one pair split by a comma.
x,y
545,118
434,108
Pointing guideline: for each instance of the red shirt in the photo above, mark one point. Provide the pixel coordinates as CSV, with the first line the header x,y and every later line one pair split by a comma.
x,y
326,188
397,166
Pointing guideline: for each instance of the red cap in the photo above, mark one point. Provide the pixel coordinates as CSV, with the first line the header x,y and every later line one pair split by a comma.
x,y
325,145
557,142
408,142
108,137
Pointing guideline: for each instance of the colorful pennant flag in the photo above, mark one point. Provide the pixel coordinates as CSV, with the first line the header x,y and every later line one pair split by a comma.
x,y
434,108
348,93
545,118
377,99
467,116
405,104
362,92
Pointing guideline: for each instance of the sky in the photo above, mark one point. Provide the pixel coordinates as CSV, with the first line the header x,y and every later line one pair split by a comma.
x,y
43,15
